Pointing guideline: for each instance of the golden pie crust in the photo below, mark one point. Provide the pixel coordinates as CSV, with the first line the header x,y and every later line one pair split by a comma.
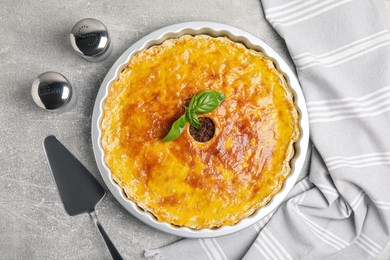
x,y
183,182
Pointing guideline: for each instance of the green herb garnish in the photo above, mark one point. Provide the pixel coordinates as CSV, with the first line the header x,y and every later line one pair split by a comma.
x,y
176,129
202,103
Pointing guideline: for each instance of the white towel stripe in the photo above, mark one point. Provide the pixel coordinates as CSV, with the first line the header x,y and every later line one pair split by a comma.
x,y
322,233
345,55
205,249
319,234
301,198
286,255
353,110
296,200
385,203
382,99
327,239
259,225
355,158
352,116
221,252
293,9
358,196
263,249
355,100
213,250
382,204
283,6
276,254
351,105
383,207
268,218
368,245
302,186
365,160
298,13
360,165
364,247
307,183
328,192
363,163
329,234
265,219
311,15
328,189
356,55
368,240
345,50
324,238
357,202
342,48
256,227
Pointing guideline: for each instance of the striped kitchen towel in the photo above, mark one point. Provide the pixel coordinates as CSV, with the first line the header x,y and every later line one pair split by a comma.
x,y
341,209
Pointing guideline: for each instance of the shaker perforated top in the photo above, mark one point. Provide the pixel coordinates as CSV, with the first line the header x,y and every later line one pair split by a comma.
x,y
89,38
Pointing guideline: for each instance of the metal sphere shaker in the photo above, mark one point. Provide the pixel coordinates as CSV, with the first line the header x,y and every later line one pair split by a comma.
x,y
89,38
52,91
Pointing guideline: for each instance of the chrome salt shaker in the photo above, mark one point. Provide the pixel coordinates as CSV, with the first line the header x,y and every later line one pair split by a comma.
x,y
89,38
52,91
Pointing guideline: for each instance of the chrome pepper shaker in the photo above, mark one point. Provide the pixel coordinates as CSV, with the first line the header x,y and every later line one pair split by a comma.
x,y
52,91
89,38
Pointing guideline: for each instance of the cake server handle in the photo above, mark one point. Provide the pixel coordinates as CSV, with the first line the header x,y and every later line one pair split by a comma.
x,y
114,252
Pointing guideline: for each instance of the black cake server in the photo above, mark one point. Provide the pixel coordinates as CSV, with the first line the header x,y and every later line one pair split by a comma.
x,y
78,189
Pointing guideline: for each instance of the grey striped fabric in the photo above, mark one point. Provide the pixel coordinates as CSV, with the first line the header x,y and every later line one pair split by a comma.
x,y
341,209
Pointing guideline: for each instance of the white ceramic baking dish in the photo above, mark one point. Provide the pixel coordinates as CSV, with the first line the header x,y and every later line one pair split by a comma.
x,y
215,30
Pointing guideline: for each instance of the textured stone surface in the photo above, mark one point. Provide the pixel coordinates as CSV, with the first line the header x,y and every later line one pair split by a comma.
x,y
33,39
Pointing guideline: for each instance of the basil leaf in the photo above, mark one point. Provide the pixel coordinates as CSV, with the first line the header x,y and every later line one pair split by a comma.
x,y
202,103
206,102
192,118
176,129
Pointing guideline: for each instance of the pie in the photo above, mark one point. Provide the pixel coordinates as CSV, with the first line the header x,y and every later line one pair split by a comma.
x,y
200,184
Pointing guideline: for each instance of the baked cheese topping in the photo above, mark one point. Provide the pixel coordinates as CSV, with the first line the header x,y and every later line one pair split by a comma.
x,y
184,182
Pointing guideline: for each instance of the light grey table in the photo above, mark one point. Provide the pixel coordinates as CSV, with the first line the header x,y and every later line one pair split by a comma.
x,y
34,37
